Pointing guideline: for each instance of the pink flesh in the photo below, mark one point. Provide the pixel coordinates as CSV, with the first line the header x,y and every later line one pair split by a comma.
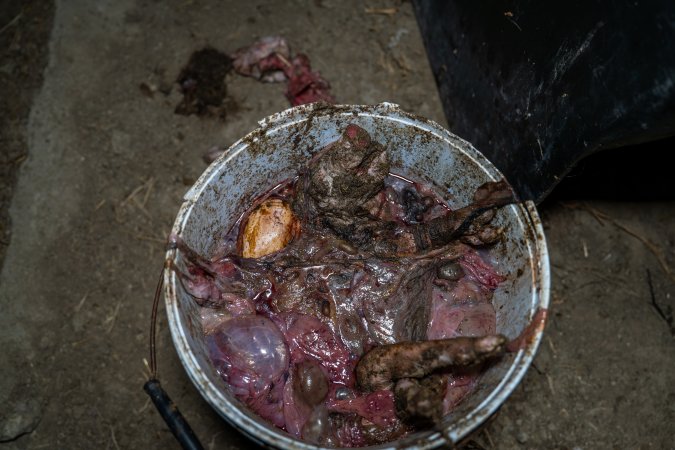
x,y
388,206
200,285
479,271
459,386
254,60
305,86
470,318
308,337
296,412
233,306
462,312
351,434
269,60
376,407
238,306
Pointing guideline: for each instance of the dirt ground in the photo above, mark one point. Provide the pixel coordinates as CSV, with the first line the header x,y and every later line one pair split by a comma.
x,y
108,162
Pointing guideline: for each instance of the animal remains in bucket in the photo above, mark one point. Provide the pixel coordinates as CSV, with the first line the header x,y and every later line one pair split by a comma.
x,y
351,306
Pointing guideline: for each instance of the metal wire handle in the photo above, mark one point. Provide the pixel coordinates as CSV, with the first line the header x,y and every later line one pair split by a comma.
x,y
165,406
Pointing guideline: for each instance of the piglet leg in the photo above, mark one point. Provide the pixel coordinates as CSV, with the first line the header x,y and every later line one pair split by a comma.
x,y
420,401
443,230
381,367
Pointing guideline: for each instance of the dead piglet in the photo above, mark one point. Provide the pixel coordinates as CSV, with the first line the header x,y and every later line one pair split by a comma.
x,y
343,188
415,237
341,179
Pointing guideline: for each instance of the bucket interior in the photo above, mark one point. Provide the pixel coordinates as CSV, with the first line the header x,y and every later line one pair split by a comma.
x,y
420,150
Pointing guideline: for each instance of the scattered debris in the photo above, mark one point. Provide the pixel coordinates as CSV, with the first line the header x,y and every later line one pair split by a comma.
x,y
212,154
112,437
269,60
392,58
146,90
601,217
395,39
305,86
381,11
81,303
264,60
156,82
109,321
147,185
665,313
509,17
11,23
202,83
135,200
550,383
489,438
19,418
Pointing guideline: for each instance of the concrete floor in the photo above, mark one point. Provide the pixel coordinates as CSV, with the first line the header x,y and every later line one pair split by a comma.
x,y
106,169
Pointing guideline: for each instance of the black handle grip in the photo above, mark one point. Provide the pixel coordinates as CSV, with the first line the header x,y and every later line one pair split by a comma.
x,y
173,418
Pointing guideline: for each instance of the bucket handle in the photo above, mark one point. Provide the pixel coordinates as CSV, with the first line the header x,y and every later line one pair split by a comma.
x,y
165,406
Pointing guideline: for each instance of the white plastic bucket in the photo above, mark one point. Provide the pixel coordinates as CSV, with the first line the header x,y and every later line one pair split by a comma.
x,y
420,149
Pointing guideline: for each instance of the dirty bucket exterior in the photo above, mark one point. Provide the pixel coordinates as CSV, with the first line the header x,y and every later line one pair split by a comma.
x,y
419,149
